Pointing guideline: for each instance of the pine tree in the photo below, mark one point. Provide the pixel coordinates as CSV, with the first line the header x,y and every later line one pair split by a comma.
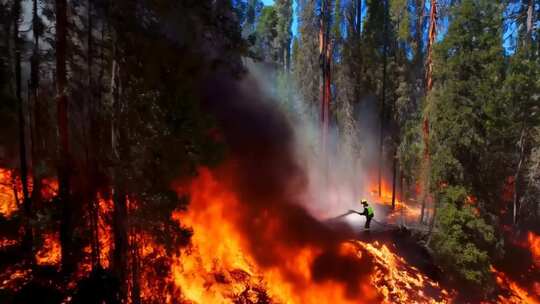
x,y
283,30
269,46
522,121
463,140
307,58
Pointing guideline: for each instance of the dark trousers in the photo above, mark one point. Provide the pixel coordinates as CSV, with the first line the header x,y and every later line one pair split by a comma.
x,y
368,221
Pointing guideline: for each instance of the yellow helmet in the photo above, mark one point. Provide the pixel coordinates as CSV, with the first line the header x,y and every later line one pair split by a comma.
x,y
363,201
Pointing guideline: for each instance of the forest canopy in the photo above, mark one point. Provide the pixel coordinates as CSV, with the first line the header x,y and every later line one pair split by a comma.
x,y
110,109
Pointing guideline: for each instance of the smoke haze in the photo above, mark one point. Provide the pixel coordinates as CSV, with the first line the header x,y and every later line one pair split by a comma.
x,y
272,185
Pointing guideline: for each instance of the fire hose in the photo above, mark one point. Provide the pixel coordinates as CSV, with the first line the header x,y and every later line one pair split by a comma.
x,y
353,211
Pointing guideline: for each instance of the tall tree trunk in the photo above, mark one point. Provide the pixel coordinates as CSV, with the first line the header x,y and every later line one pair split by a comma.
x,y
517,176
121,241
8,41
383,99
120,260
402,191
123,14
325,50
394,177
135,268
429,84
422,211
432,225
418,37
35,127
66,221
27,204
91,194
432,34
530,22
288,56
359,18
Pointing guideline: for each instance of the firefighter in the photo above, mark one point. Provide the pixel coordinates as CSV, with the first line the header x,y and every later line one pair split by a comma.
x,y
368,213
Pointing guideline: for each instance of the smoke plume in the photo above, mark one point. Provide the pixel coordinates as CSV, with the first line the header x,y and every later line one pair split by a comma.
x,y
270,184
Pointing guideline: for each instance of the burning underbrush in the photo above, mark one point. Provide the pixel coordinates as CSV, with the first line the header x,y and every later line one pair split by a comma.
x,y
226,262
222,266
254,238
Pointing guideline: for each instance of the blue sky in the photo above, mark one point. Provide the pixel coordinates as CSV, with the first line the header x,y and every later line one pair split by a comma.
x,y
295,20
509,35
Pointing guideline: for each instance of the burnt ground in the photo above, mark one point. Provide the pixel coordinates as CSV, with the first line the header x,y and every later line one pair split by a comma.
x,y
21,283
409,243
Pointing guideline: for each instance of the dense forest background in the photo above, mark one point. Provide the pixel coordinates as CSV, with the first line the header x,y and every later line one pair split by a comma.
x,y
456,85
100,107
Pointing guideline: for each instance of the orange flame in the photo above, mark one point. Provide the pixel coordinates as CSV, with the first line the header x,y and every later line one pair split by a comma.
x,y
402,208
8,204
49,253
105,207
218,268
11,191
534,245
517,294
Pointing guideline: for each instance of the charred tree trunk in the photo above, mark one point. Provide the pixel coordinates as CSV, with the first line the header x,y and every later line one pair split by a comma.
x,y
120,260
15,191
383,98
121,242
394,177
66,221
35,127
91,189
402,190
135,268
27,242
123,16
